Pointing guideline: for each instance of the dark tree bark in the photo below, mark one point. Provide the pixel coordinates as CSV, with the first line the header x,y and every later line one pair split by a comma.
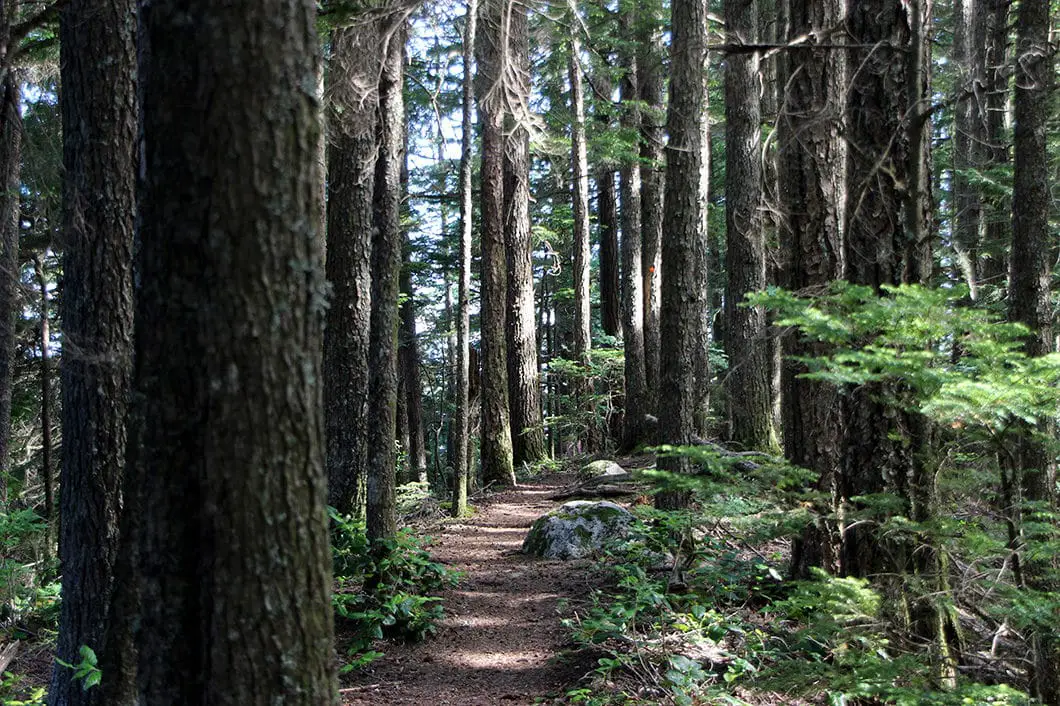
x,y
683,243
579,193
496,443
386,272
409,352
353,93
997,212
462,392
10,166
1029,298
99,112
812,195
652,172
969,136
234,559
747,385
524,389
607,219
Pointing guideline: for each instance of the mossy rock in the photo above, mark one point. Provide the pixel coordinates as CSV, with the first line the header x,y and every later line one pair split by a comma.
x,y
599,469
577,529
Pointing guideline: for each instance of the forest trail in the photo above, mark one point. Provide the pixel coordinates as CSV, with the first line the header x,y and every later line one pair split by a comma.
x,y
501,633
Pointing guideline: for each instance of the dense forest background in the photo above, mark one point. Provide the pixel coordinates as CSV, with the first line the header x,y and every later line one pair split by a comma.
x,y
271,258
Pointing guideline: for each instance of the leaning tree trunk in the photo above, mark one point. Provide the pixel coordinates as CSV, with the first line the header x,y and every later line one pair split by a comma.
x,y
234,558
353,94
462,391
812,195
98,102
524,389
386,272
683,240
747,385
496,437
1030,277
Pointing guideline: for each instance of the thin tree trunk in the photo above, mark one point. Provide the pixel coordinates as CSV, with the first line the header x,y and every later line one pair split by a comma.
x,y
462,414
10,167
99,110
683,240
997,212
353,93
386,273
234,558
410,366
496,436
607,219
47,473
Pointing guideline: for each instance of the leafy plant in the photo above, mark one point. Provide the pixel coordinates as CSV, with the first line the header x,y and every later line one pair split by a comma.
x,y
86,670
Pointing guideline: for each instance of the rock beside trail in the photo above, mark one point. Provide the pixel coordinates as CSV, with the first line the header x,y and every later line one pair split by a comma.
x,y
577,529
600,469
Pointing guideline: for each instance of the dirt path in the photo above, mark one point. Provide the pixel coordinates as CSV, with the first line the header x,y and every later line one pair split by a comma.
x,y
501,633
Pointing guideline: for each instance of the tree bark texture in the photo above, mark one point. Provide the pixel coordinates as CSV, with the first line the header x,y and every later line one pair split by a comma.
x,y
386,273
812,165
747,384
10,169
230,298
579,194
524,388
353,95
496,438
409,353
997,212
683,243
636,392
99,114
462,414
607,215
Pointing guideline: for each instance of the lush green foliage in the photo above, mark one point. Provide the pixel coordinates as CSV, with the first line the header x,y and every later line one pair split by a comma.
x,y
384,590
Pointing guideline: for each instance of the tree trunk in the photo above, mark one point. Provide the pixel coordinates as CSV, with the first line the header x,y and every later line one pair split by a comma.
x,y
747,384
579,194
234,559
607,219
99,111
353,92
997,212
1030,296
524,389
496,441
46,471
652,138
410,367
10,168
386,272
969,136
462,392
683,241
812,162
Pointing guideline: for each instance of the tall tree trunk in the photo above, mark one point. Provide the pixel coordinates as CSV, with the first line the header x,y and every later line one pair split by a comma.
x,y
386,272
997,212
652,137
99,111
969,136
607,217
353,94
747,384
812,164
234,559
462,415
636,393
524,389
496,438
10,168
47,472
683,241
410,367
1029,298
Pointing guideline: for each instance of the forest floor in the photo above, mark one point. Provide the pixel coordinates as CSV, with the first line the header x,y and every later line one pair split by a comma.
x,y
501,641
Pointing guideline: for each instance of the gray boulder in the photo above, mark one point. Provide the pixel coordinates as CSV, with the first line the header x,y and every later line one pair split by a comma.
x,y
577,529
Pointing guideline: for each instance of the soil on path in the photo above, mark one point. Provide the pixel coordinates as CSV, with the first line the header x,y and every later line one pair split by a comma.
x,y
501,635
